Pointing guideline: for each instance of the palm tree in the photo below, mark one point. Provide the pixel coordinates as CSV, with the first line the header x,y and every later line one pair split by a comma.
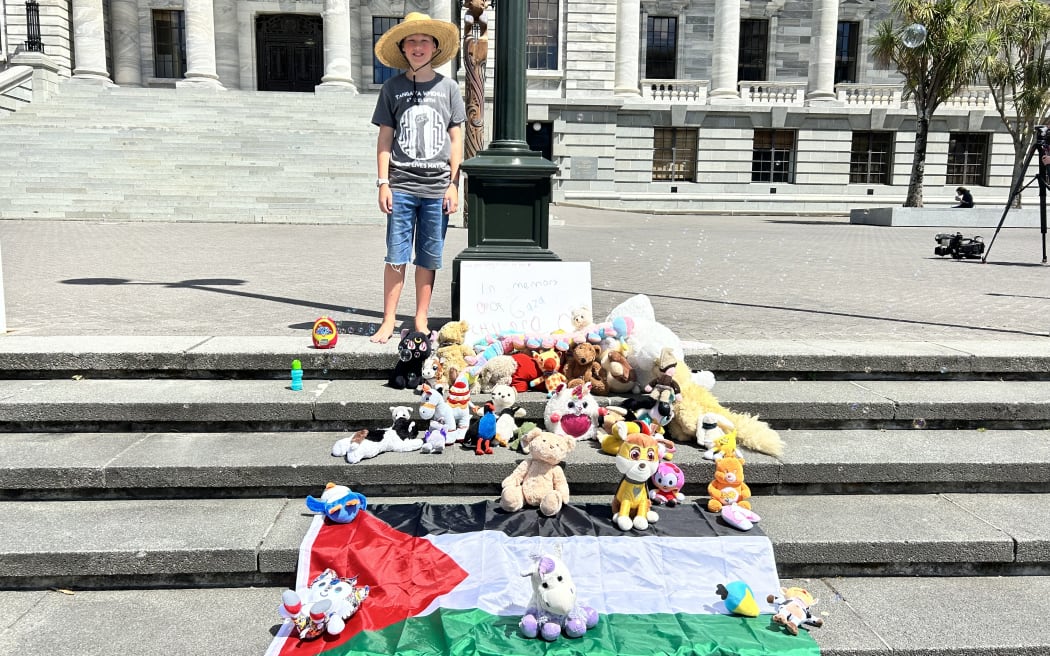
x,y
949,59
1018,71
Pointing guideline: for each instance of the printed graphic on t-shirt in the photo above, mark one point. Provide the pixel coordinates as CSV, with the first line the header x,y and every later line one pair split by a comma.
x,y
422,133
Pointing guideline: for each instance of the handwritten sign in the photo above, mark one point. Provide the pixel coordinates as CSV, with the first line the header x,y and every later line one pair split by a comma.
x,y
521,296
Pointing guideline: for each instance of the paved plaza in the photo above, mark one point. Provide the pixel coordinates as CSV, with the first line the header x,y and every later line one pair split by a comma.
x,y
709,277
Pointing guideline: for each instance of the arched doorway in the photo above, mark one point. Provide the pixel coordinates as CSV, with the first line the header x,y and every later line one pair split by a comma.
x,y
290,52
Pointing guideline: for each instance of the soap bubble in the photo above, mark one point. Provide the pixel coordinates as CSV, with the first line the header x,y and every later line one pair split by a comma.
x,y
919,423
914,35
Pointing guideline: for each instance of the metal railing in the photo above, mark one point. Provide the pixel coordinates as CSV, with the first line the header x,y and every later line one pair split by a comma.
x,y
33,41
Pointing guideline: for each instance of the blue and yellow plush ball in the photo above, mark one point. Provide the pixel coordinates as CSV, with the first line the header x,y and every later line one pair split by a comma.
x,y
739,598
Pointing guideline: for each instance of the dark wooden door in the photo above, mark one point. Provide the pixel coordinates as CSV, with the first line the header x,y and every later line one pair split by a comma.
x,y
290,52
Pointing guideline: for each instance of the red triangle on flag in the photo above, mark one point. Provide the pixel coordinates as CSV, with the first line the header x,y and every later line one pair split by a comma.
x,y
404,574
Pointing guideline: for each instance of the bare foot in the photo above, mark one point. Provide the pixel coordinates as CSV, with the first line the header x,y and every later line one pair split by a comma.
x,y
382,334
421,326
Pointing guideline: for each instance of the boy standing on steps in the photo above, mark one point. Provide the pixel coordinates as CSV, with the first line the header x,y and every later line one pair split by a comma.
x,y
418,153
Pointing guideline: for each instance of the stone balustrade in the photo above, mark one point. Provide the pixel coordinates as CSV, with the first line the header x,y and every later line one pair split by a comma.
x,y
772,93
869,95
675,91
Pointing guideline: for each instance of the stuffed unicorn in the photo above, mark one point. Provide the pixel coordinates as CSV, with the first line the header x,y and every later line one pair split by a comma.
x,y
554,606
432,404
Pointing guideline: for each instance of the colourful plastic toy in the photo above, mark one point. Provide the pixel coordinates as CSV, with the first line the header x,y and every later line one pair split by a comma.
x,y
325,333
297,376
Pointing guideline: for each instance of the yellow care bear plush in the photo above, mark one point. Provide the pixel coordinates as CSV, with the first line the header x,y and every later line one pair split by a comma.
x,y
539,479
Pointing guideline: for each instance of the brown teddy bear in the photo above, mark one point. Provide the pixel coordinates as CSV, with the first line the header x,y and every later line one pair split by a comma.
x,y
539,480
453,350
582,366
695,401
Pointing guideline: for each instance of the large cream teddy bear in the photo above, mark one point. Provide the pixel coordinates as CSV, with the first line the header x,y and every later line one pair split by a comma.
x,y
539,479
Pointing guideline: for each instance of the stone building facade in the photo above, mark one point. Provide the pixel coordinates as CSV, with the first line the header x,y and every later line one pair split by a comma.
x,y
675,105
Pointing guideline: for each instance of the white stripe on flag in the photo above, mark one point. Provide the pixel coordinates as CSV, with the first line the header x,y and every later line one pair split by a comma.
x,y
621,574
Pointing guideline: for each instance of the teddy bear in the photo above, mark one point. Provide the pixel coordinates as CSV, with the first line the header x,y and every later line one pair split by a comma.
x,y
582,366
620,376
694,401
539,479
499,370
584,330
412,350
451,347
728,486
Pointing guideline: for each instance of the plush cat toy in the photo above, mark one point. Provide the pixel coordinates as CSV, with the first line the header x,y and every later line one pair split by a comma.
x,y
412,350
572,411
324,607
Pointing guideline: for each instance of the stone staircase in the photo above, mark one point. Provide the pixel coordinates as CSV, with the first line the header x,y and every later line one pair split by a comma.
x,y
167,475
190,155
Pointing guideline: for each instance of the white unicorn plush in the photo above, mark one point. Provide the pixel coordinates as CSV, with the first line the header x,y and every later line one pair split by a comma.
x,y
554,607
433,404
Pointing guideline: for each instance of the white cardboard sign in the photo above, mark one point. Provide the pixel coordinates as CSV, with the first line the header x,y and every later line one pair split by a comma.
x,y
525,296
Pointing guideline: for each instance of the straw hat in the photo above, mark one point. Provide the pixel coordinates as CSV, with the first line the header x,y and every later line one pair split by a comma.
x,y
388,48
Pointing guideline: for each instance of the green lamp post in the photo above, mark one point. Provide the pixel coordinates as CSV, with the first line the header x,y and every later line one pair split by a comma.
x,y
509,185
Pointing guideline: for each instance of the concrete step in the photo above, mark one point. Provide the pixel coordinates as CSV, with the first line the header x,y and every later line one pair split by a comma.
x,y
864,616
237,542
72,466
327,404
355,356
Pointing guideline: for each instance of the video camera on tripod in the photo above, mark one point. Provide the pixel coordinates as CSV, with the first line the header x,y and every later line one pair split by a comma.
x,y
1040,149
958,246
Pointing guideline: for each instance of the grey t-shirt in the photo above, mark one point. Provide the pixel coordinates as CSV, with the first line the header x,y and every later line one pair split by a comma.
x,y
421,115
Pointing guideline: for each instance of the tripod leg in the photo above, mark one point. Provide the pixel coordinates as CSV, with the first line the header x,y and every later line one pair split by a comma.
x,y
1042,203
1014,193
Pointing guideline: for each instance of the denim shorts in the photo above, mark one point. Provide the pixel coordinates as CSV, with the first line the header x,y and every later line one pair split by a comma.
x,y
416,220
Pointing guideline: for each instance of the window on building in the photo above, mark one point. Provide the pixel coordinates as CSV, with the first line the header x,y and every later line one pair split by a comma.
x,y
967,159
754,49
169,43
871,158
661,47
674,154
846,52
773,157
380,71
541,43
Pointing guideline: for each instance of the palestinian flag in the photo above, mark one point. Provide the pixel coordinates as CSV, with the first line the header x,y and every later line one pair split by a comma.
x,y
447,580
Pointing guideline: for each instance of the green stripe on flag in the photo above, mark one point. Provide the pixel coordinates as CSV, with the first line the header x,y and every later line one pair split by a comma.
x,y
477,633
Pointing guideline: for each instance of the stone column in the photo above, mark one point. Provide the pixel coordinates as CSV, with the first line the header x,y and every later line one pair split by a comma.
x,y
727,52
338,75
442,10
127,55
89,42
200,45
821,87
227,44
628,37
